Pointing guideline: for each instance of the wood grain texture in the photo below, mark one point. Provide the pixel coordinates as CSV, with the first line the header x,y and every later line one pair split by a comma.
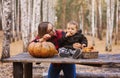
x,y
101,60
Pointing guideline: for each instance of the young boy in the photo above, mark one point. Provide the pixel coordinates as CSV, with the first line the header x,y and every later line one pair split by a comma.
x,y
72,41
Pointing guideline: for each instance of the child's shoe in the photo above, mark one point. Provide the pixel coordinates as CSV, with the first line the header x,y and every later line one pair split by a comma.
x,y
77,54
63,52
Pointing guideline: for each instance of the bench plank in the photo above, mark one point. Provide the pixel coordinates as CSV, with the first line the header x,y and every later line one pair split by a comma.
x,y
101,60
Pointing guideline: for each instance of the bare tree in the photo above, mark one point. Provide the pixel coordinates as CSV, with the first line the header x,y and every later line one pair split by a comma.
x,y
24,24
36,18
99,19
63,14
0,14
110,23
45,10
81,17
13,20
93,22
117,17
6,23
18,32
30,12
51,11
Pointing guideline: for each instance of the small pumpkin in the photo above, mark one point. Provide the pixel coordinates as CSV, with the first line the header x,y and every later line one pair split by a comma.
x,y
88,49
42,49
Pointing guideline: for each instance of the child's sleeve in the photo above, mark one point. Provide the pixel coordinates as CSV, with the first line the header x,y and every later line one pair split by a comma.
x,y
84,40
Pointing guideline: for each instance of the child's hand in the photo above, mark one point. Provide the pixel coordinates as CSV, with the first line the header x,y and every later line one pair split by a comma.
x,y
83,45
77,45
68,34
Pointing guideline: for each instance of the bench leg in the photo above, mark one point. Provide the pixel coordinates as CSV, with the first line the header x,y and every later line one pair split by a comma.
x,y
27,70
17,70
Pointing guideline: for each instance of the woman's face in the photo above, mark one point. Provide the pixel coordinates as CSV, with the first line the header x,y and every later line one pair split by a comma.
x,y
50,29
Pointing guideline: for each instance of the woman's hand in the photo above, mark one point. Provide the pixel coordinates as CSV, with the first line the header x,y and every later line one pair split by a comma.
x,y
45,37
77,45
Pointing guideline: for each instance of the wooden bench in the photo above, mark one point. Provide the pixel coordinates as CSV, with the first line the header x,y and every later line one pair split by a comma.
x,y
90,72
22,63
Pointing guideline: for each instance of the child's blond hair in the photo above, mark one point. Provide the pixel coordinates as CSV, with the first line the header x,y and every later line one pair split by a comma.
x,y
73,23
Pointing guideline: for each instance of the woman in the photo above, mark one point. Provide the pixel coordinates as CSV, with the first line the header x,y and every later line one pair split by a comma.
x,y
47,32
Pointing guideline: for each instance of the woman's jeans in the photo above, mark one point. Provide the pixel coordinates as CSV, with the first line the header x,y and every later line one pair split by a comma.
x,y
69,70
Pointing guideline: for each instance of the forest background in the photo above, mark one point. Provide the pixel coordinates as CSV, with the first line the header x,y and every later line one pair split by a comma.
x,y
98,19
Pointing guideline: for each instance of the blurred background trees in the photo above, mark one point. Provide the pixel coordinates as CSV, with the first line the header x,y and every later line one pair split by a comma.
x,y
97,18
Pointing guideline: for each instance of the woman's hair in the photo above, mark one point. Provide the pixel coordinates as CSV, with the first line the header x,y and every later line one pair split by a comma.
x,y
42,28
73,23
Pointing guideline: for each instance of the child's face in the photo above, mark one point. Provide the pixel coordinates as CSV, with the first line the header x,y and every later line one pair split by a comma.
x,y
71,29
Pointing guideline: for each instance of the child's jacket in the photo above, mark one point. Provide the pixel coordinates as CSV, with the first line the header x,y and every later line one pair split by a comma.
x,y
68,42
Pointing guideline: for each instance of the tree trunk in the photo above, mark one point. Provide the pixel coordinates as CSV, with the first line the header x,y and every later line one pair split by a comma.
x,y
6,23
37,14
63,14
116,32
51,11
13,20
0,14
24,24
110,23
18,20
30,15
108,19
93,24
36,18
99,20
100,14
33,20
45,10
81,17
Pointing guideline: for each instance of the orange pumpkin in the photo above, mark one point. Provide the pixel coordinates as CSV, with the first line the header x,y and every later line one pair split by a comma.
x,y
42,49
88,49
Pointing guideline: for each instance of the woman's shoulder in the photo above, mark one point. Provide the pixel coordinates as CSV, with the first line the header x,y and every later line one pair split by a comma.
x,y
60,32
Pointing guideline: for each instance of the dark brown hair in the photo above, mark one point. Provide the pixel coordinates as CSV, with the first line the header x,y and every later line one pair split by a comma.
x,y
42,28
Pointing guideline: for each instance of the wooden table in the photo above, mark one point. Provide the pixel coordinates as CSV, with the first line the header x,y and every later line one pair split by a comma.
x,y
22,63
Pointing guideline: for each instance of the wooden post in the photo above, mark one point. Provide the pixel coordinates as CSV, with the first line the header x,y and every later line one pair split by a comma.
x,y
28,70
17,70
6,23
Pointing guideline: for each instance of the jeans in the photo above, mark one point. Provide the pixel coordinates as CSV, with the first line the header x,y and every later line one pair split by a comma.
x,y
69,70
